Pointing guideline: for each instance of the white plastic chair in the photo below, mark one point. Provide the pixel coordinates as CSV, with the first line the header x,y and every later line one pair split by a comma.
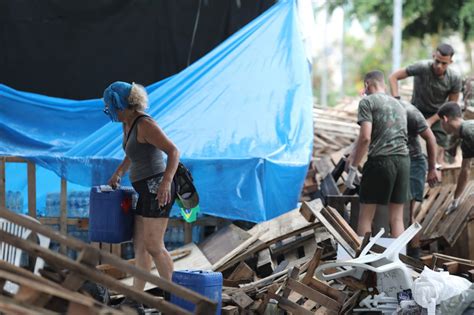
x,y
12,254
393,276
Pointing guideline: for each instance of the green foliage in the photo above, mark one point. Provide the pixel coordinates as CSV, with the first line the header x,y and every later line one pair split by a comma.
x,y
421,17
466,16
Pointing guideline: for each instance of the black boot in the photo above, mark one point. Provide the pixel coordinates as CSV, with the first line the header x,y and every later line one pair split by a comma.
x,y
128,302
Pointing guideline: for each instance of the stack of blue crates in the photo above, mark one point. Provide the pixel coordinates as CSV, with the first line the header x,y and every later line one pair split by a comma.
x,y
207,283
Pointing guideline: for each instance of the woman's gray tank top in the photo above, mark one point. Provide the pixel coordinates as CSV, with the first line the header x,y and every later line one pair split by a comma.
x,y
146,159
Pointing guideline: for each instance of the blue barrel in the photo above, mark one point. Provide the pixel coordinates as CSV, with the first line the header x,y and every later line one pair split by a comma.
x,y
110,215
207,283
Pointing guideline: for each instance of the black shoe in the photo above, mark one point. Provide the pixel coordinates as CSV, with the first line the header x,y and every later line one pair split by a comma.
x,y
127,302
414,252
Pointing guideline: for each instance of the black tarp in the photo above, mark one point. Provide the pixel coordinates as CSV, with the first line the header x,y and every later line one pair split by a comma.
x,y
74,49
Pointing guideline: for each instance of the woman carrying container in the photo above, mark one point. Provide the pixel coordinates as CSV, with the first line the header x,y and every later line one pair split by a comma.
x,y
144,143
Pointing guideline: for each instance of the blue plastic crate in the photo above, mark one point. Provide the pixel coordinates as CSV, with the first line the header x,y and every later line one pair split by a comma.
x,y
207,283
110,215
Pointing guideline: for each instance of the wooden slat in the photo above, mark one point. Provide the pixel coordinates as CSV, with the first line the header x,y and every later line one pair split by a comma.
x,y
436,212
10,306
31,170
460,223
288,305
452,225
347,228
336,231
426,204
3,201
63,213
314,295
82,223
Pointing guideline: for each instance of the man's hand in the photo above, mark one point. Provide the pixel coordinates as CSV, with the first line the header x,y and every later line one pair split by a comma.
x,y
434,177
453,205
351,177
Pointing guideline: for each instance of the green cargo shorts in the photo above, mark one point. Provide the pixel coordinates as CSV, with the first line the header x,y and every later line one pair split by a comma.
x,y
385,179
440,135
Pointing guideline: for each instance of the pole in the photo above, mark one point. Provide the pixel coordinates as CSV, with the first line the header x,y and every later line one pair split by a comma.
x,y
397,35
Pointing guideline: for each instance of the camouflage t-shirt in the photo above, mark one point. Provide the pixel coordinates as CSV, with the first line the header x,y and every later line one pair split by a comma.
x,y
429,90
467,139
389,124
416,124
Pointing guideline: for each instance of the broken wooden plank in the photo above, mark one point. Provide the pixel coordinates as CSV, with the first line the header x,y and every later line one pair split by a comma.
x,y
342,235
217,245
242,272
241,299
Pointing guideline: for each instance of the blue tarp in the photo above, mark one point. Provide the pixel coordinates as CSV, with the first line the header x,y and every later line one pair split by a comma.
x,y
240,116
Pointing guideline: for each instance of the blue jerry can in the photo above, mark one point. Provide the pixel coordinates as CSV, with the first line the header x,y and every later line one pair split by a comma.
x,y
110,215
207,283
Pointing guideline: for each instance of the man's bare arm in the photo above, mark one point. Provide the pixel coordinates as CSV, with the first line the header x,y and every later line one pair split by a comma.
x,y
393,79
433,175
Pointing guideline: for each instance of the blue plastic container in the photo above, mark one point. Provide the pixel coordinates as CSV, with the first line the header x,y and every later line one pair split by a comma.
x,y
110,215
207,283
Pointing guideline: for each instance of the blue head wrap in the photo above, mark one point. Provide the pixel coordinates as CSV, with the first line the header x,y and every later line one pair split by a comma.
x,y
116,98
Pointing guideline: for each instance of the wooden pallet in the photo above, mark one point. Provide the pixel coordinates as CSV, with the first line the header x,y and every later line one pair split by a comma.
x,y
307,295
436,225
83,268
35,292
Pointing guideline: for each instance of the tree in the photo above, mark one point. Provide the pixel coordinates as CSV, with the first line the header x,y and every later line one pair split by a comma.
x,y
421,17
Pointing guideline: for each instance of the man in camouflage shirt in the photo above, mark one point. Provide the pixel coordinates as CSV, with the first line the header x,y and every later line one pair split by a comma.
x,y
434,83
417,125
385,176
453,123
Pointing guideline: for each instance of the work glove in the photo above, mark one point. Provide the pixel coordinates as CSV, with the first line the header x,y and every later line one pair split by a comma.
x,y
351,177
452,206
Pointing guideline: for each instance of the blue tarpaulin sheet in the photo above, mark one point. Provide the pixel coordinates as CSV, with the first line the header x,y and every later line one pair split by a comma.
x,y
240,116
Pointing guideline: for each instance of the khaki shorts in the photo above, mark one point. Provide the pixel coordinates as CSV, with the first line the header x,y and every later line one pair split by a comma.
x,y
385,179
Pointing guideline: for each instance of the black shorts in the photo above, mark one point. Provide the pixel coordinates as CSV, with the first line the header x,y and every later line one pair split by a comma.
x,y
147,205
385,179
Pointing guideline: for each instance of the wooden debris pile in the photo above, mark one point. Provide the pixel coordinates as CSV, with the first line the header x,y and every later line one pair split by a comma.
x,y
334,129
455,266
56,291
431,214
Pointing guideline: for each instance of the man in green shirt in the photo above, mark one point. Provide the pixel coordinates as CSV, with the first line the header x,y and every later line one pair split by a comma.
x,y
434,83
453,123
417,125
386,174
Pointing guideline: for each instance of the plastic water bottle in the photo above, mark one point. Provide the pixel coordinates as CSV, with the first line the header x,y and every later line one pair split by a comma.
x,y
196,234
84,204
49,204
166,238
17,202
9,200
71,199
20,202
174,237
56,205
134,200
180,237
